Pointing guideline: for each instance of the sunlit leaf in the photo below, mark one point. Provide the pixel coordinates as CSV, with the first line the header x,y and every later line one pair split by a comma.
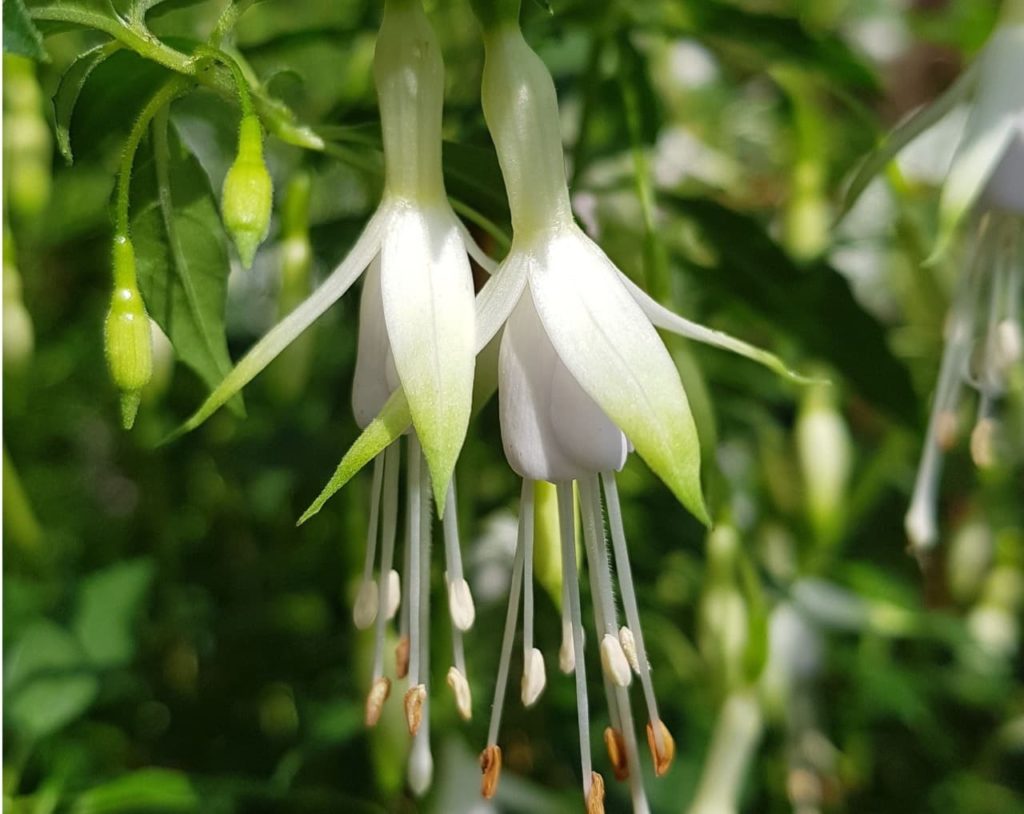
x,y
182,255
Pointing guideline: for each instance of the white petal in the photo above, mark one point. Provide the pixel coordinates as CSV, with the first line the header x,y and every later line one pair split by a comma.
x,y
375,377
608,344
662,317
1005,189
550,428
282,334
427,291
990,127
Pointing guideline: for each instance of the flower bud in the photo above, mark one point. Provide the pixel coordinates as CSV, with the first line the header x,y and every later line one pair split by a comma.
x,y
128,341
19,338
27,141
248,192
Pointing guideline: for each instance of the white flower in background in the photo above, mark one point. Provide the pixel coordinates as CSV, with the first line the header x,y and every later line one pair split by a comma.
x,y
583,379
985,181
417,347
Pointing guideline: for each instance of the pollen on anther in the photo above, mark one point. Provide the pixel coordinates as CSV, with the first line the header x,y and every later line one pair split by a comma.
x,y
490,767
460,689
664,755
414,698
616,746
402,657
375,699
595,797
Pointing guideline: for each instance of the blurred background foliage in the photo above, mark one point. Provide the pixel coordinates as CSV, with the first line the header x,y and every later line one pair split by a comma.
x,y
173,643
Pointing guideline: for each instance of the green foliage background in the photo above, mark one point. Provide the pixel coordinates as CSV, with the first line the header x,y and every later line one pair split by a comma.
x,y
173,643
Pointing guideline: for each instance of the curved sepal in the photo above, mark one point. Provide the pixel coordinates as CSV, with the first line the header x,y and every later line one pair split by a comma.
x,y
610,347
662,317
427,291
993,120
905,132
282,334
379,434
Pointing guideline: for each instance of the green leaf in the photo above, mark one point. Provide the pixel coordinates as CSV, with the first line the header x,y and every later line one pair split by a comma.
x,y
20,34
182,255
71,84
48,682
380,433
812,305
106,104
108,604
146,790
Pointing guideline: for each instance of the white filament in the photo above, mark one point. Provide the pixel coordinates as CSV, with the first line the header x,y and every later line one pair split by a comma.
x,y
567,525
511,616
392,463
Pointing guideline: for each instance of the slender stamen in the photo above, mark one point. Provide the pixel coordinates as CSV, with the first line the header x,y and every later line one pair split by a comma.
x,y
392,463
601,598
921,523
567,526
422,689
367,604
511,617
415,696
617,668
533,661
629,604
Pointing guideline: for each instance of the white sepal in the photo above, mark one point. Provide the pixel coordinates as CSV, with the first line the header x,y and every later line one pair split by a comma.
x,y
427,291
285,332
606,341
990,128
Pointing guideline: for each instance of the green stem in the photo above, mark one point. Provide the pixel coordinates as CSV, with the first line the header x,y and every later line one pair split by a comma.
x,y
241,85
164,95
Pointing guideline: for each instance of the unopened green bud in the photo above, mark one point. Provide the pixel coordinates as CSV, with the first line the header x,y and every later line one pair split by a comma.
x,y
19,338
27,140
126,332
826,459
248,192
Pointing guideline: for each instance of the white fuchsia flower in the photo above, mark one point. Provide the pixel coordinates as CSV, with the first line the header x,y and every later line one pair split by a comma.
x,y
416,354
583,379
985,181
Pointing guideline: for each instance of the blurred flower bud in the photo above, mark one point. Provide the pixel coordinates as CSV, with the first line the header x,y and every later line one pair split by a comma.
x,y
27,140
19,338
248,192
127,339
823,445
970,558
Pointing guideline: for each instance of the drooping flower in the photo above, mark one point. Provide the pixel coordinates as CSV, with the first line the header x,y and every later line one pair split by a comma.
x,y
416,350
583,379
985,185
